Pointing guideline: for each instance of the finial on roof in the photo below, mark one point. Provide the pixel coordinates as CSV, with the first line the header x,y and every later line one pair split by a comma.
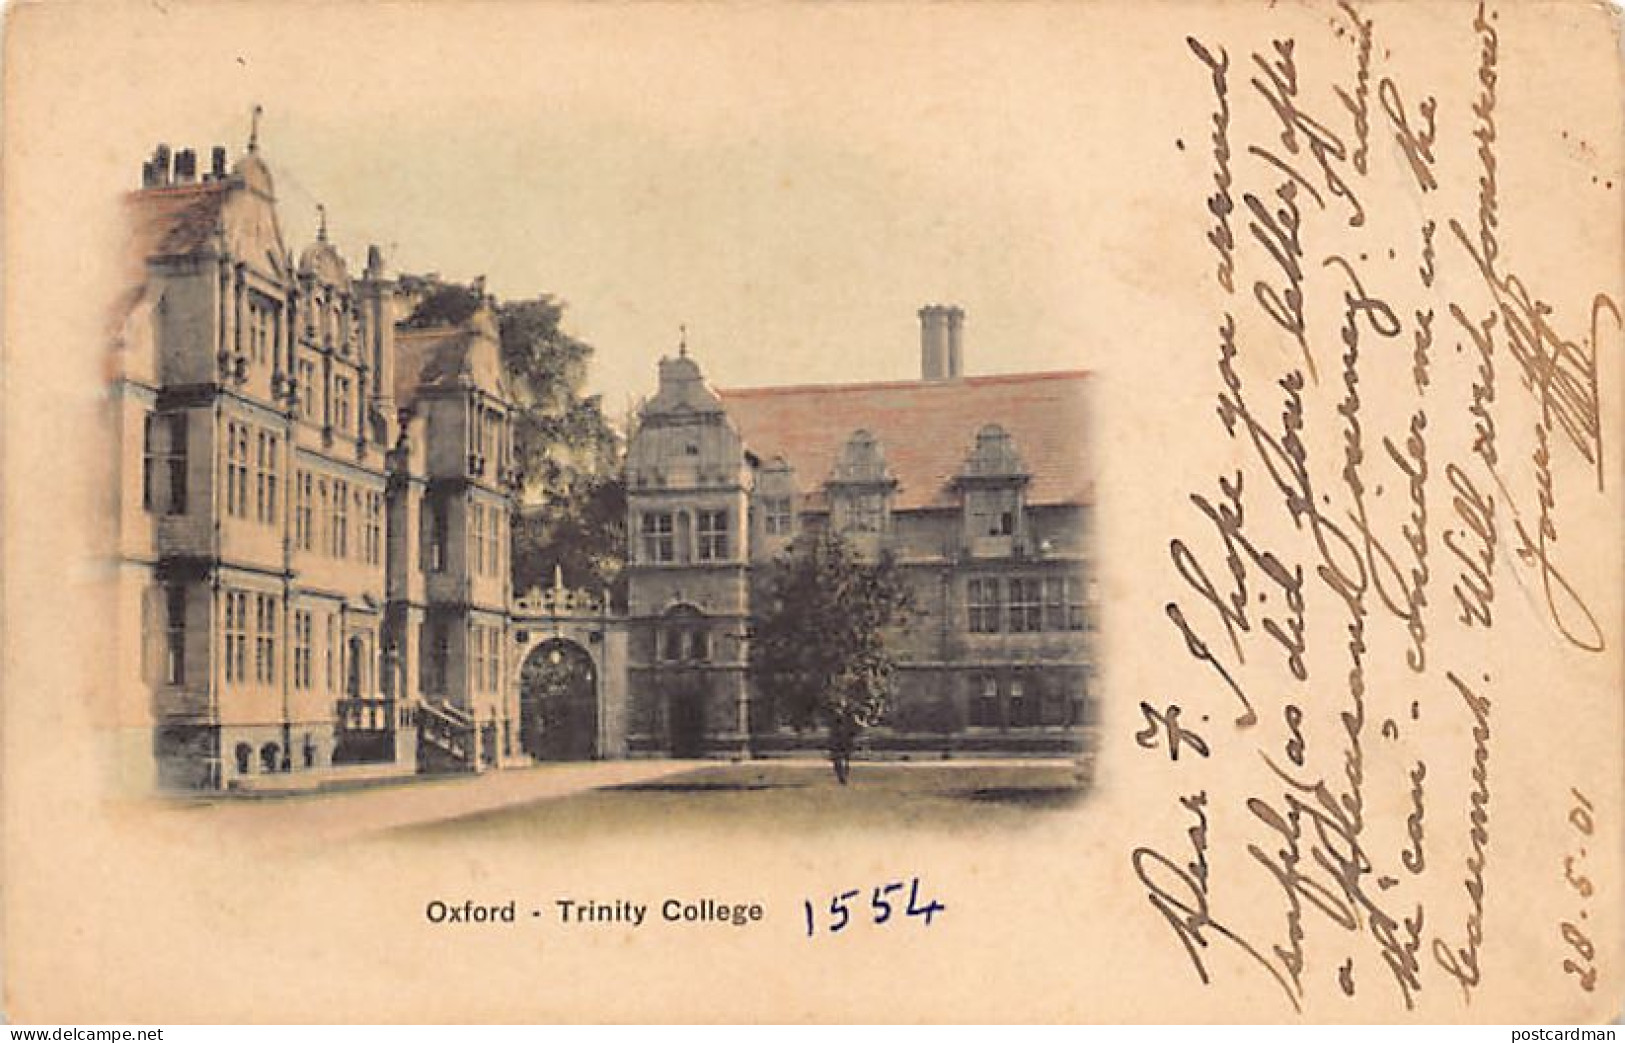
x,y
321,223
682,341
254,130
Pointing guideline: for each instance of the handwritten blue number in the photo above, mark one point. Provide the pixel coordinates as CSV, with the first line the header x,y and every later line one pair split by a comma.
x,y
837,907
928,910
883,907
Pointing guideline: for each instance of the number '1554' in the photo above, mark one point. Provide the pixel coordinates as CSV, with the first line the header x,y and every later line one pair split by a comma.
x,y
886,904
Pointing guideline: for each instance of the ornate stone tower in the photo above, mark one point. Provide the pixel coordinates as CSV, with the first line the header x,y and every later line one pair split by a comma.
x,y
688,589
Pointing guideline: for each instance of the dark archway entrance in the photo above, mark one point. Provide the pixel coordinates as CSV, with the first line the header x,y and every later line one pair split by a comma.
x,y
558,703
683,646
685,692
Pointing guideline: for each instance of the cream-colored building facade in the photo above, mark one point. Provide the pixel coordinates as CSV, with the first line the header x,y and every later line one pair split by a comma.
x,y
312,504
314,497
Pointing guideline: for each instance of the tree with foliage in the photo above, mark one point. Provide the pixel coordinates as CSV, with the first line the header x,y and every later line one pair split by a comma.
x,y
582,533
819,647
573,515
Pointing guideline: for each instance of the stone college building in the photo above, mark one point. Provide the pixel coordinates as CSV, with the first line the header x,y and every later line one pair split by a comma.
x,y
314,502
977,485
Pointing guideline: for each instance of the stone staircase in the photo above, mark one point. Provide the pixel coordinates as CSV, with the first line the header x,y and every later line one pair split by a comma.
x,y
446,739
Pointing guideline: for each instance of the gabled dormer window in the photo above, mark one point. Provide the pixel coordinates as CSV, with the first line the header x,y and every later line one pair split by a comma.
x,y
992,512
995,455
860,490
776,515
865,512
992,481
775,497
862,461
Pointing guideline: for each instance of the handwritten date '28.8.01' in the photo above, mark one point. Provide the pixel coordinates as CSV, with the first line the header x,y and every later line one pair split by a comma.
x,y
1581,819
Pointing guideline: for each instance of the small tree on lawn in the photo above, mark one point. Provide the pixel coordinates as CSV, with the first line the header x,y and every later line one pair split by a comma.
x,y
819,645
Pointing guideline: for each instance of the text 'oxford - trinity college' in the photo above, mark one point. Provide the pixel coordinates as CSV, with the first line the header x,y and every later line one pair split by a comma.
x,y
314,509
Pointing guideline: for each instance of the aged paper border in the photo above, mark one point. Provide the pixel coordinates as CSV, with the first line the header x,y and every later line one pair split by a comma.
x,y
109,916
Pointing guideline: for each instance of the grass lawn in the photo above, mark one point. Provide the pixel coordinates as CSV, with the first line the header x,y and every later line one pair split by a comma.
x,y
759,797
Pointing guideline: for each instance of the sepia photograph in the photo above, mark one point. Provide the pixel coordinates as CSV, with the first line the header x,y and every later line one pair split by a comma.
x,y
376,526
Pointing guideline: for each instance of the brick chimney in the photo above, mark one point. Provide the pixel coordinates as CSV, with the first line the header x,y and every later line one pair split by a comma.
x,y
155,172
185,166
941,342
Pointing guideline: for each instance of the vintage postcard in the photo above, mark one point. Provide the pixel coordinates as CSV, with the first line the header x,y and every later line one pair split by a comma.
x,y
1086,512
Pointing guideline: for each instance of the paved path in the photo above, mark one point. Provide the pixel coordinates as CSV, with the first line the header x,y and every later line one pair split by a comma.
x,y
323,817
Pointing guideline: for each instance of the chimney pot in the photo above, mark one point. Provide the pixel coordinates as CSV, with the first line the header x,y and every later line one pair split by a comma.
x,y
940,346
217,161
160,165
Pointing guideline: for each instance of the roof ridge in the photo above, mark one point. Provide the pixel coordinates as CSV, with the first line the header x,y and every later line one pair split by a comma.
x,y
891,385
189,188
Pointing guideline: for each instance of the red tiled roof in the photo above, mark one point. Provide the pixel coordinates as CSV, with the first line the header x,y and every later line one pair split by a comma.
x,y
176,219
163,222
925,429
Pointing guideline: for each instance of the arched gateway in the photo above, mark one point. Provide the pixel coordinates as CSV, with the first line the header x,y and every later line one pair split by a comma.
x,y
558,702
570,686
